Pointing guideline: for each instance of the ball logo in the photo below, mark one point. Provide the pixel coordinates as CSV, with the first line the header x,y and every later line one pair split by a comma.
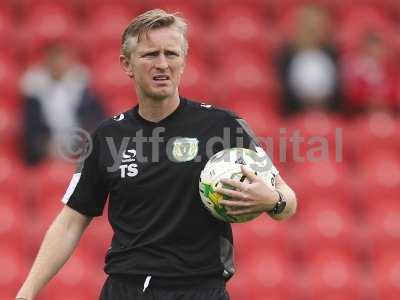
x,y
185,149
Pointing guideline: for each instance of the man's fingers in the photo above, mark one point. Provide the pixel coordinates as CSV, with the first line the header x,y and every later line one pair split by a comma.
x,y
234,203
238,212
230,193
249,173
235,183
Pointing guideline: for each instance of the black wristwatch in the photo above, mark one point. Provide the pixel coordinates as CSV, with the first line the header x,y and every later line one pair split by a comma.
x,y
279,206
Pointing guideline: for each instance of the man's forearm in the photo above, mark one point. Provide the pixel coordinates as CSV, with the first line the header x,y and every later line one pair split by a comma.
x,y
57,246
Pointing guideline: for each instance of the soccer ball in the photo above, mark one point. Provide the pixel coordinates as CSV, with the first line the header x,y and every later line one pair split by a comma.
x,y
226,164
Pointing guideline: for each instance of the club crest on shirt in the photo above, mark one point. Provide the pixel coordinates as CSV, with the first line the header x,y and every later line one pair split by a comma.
x,y
185,149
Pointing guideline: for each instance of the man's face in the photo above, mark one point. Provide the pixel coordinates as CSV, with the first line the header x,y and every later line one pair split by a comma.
x,y
156,63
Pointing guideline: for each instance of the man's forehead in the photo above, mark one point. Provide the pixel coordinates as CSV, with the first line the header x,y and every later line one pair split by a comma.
x,y
166,37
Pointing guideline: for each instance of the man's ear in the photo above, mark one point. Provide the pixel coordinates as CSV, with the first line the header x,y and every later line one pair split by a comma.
x,y
126,66
184,65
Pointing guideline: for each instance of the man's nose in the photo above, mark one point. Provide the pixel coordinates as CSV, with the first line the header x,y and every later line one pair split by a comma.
x,y
161,62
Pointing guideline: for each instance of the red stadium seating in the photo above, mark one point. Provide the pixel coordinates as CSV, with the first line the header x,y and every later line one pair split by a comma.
x,y
240,28
243,75
47,23
258,114
89,6
119,104
80,278
51,180
264,272
357,20
323,181
329,225
7,32
196,79
9,74
27,6
377,177
383,226
260,234
188,9
333,276
319,135
370,134
97,238
104,29
14,268
109,78
386,275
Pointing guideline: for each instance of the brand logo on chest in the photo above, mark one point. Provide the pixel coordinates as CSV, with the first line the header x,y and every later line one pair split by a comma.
x,y
128,165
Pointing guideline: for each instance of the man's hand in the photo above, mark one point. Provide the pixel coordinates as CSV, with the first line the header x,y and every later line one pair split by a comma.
x,y
248,198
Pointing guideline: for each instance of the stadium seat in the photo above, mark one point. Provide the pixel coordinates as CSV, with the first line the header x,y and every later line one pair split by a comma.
x,y
260,234
375,132
14,268
357,20
258,7
320,136
323,181
88,7
190,10
241,28
378,177
329,226
243,75
47,23
108,77
9,74
97,238
383,226
104,28
196,79
333,276
48,187
119,104
7,32
386,275
258,114
264,272
80,278
27,6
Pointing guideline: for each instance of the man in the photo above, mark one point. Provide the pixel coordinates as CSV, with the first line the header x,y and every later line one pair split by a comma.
x,y
57,97
165,245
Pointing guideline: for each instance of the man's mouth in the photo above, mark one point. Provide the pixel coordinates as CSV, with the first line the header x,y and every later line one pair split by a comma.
x,y
160,78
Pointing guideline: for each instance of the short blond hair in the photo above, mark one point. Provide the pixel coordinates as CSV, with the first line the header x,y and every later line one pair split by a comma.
x,y
152,19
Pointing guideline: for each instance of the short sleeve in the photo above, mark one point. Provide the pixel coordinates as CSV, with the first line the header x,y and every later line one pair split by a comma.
x,y
242,136
87,191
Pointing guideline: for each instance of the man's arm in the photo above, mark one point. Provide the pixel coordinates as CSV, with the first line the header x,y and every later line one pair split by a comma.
x,y
58,244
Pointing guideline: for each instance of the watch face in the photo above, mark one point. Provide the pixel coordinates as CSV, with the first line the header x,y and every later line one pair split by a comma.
x,y
280,207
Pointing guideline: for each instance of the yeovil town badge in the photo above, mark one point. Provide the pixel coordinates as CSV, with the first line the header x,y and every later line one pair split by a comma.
x,y
185,149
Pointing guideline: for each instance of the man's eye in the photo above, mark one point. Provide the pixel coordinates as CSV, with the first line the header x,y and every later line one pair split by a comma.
x,y
152,54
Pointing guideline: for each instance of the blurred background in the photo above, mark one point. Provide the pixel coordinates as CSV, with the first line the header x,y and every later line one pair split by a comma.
x,y
325,70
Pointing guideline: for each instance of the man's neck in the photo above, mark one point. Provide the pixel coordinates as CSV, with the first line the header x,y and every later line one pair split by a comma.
x,y
155,110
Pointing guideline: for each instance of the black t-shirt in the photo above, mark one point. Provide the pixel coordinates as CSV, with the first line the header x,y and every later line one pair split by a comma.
x,y
150,171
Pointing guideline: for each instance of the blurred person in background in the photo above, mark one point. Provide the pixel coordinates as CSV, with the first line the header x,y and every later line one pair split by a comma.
x,y
57,100
308,64
370,76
